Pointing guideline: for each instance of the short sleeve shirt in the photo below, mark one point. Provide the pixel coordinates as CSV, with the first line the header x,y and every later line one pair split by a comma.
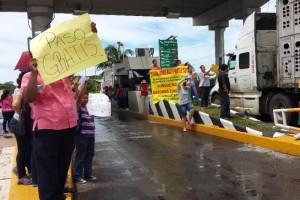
x,y
55,106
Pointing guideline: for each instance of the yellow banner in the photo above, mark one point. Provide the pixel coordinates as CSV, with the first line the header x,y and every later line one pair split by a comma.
x,y
67,48
164,83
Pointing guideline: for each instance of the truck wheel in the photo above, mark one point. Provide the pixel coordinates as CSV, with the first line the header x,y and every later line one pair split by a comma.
x,y
216,99
281,101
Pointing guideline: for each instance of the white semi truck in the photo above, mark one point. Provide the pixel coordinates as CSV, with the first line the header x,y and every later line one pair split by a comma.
x,y
264,71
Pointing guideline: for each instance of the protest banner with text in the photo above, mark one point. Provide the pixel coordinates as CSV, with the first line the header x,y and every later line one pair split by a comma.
x,y
164,83
67,48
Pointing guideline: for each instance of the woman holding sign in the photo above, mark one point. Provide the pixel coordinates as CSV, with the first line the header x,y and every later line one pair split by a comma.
x,y
55,116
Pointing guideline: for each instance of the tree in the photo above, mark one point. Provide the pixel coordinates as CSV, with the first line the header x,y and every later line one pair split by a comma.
x,y
8,86
114,55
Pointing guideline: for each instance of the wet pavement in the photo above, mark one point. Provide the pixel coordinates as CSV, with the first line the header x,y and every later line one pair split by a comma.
x,y
140,160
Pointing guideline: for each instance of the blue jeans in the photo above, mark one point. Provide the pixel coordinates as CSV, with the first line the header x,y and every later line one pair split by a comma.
x,y
85,148
193,91
225,110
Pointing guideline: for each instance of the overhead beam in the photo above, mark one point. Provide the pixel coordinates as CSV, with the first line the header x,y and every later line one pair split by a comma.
x,y
231,9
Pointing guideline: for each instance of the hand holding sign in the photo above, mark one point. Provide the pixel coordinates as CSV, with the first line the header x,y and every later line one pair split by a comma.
x,y
33,66
67,48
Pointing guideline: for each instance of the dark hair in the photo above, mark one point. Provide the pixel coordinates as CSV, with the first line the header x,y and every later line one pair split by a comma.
x,y
176,62
223,67
153,60
19,79
184,83
201,66
5,94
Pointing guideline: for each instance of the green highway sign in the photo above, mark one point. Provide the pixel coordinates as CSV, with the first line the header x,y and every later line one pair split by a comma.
x,y
168,52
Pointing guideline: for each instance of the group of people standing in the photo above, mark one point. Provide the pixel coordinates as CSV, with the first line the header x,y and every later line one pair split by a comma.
x,y
118,94
187,89
59,123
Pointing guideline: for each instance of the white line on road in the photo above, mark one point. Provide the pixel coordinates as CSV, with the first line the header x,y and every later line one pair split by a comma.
x,y
6,165
139,137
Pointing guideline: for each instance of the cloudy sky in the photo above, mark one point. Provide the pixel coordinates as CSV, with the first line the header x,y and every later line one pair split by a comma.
x,y
195,43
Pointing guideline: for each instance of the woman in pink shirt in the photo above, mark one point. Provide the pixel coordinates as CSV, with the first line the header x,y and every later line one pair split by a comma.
x,y
7,109
55,122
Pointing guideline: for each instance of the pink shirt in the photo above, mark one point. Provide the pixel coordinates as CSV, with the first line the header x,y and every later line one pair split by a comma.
x,y
55,106
6,107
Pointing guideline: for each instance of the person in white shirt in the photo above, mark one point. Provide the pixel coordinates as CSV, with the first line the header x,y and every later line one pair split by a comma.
x,y
204,84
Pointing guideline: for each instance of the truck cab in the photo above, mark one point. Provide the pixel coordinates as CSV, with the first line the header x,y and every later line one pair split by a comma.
x,y
253,69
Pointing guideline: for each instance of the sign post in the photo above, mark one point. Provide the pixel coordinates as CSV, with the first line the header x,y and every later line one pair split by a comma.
x,y
168,53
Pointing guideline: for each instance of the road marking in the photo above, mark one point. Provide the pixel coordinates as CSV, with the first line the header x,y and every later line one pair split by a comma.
x,y
139,137
6,165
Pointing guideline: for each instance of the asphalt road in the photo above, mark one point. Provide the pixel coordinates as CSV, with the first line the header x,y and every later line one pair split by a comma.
x,y
140,160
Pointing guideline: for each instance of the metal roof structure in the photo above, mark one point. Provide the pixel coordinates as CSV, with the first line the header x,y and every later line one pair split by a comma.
x,y
203,12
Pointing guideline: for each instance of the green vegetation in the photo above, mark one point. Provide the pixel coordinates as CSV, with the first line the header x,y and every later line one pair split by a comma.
x,y
8,86
241,120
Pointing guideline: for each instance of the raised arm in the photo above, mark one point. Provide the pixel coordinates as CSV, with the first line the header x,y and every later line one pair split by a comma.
x,y
82,91
31,90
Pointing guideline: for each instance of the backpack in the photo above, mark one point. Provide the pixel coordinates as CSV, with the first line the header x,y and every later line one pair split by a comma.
x,y
24,123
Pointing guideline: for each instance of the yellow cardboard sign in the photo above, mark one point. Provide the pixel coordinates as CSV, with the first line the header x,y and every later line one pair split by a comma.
x,y
214,68
67,48
164,83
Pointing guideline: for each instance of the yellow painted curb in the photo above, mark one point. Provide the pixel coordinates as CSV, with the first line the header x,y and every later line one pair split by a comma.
x,y
285,144
27,192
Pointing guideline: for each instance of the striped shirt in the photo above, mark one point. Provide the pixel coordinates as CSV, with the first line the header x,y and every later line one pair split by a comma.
x,y
88,124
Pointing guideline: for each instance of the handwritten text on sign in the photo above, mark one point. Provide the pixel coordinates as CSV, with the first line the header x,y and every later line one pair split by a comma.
x,y
67,48
99,105
164,83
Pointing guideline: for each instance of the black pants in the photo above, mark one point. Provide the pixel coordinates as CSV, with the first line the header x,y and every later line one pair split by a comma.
x,y
6,119
225,105
24,150
204,96
53,151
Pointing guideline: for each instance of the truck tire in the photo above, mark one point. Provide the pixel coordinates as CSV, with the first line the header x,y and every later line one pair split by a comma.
x,y
279,101
216,99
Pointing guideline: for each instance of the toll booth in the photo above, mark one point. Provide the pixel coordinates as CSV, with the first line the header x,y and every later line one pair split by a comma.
x,y
131,72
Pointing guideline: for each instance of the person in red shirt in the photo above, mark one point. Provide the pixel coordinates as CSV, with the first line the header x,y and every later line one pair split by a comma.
x,y
154,65
144,93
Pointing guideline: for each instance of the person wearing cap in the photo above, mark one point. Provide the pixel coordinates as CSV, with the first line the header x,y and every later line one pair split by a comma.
x,y
144,93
